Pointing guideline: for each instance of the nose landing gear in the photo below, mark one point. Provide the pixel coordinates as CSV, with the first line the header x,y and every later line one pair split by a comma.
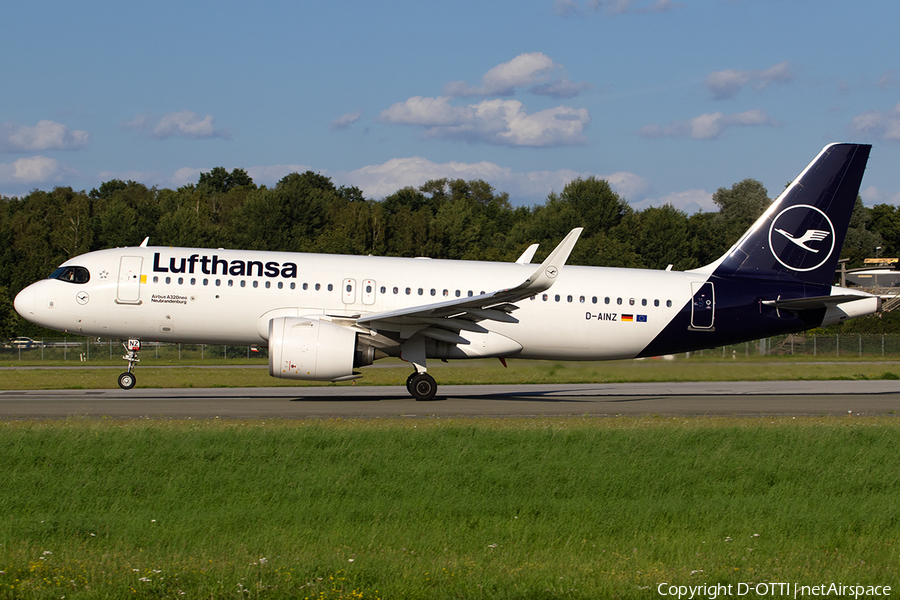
x,y
127,380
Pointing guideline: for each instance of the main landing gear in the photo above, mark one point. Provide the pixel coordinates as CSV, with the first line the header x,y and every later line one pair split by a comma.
x,y
127,380
422,386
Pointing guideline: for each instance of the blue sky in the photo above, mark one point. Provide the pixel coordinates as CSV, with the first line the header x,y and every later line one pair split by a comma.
x,y
667,99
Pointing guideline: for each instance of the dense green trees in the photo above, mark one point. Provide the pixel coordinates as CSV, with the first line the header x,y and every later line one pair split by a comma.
x,y
444,218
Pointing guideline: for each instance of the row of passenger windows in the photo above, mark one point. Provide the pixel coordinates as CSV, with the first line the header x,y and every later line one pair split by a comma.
x,y
606,300
407,291
241,283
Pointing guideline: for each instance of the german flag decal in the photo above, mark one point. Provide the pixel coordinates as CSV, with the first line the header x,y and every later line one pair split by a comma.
x,y
627,318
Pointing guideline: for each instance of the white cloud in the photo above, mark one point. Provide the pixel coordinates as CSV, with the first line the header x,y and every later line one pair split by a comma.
x,y
708,126
524,70
882,124
534,69
378,181
628,185
872,196
499,122
690,201
33,170
888,80
568,8
345,121
187,175
726,84
46,135
561,88
185,124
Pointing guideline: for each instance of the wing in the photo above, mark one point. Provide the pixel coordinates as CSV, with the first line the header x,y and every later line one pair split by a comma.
x,y
445,320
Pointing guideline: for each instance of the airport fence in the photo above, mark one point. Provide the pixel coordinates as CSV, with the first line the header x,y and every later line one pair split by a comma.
x,y
837,346
94,350
79,349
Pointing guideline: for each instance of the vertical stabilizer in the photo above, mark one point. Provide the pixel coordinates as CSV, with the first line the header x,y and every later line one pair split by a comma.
x,y
800,236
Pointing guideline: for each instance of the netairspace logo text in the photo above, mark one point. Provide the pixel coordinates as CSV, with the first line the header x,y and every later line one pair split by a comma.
x,y
772,590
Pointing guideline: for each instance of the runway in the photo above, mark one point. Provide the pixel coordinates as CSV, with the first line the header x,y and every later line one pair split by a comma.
x,y
346,401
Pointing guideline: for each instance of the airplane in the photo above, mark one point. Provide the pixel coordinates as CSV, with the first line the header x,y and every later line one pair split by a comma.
x,y
323,316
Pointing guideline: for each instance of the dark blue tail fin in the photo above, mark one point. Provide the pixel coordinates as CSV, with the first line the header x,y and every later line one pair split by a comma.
x,y
799,237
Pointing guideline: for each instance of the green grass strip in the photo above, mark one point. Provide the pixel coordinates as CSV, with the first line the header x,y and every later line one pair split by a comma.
x,y
535,508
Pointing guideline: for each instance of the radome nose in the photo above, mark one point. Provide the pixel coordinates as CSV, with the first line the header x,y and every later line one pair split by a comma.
x,y
24,302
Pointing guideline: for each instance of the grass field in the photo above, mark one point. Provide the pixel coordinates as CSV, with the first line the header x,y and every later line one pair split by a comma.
x,y
538,508
394,372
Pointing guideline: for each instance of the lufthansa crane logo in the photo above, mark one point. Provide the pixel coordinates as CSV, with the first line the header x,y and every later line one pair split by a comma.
x,y
801,237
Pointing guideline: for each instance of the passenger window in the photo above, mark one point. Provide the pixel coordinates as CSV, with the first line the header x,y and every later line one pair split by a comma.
x,y
569,299
668,303
421,291
606,300
631,302
280,285
618,301
544,297
155,279
318,287
594,300
230,283
180,280
256,283
396,290
408,291
193,281
268,284
656,303
433,291
218,282
556,297
293,285
330,287
244,283
305,286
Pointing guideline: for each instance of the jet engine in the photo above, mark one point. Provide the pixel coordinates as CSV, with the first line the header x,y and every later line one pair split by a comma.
x,y
315,350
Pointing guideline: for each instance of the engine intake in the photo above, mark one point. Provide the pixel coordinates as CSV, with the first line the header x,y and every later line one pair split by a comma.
x,y
314,350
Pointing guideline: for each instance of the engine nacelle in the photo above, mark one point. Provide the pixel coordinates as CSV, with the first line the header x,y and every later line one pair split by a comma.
x,y
314,350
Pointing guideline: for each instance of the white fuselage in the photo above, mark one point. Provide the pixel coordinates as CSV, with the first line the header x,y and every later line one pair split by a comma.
x,y
229,297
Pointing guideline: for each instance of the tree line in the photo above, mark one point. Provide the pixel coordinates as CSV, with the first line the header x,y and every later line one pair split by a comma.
x,y
444,218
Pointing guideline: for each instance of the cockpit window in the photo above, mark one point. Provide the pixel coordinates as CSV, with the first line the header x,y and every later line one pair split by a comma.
x,y
71,274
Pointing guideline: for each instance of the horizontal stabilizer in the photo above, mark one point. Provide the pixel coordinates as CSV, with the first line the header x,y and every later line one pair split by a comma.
x,y
814,302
